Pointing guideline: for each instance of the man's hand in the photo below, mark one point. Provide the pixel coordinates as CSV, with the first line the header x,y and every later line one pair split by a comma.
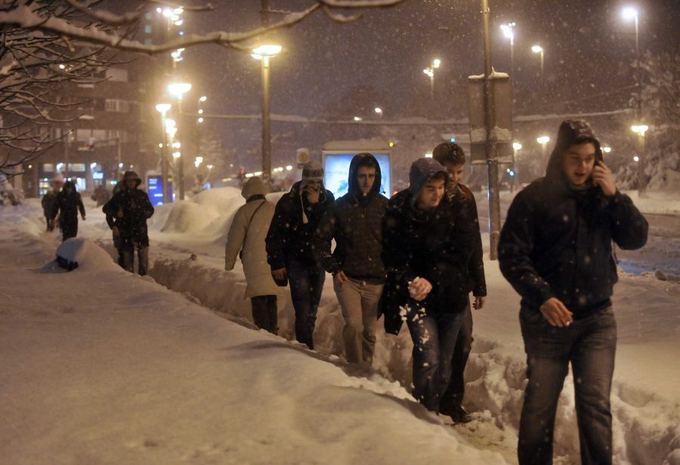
x,y
83,217
555,312
478,303
604,178
280,274
419,288
340,277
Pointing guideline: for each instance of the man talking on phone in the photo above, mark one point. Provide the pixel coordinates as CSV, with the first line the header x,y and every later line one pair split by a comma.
x,y
556,251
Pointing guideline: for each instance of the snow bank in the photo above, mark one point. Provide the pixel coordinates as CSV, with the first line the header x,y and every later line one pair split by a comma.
x,y
86,255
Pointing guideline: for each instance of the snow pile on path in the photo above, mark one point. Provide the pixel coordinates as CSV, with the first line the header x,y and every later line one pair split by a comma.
x,y
86,255
645,407
103,367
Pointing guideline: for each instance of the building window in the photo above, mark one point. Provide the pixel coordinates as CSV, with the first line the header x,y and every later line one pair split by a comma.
x,y
115,105
117,74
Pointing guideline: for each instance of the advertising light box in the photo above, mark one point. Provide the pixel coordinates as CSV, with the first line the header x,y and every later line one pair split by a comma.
x,y
155,189
336,172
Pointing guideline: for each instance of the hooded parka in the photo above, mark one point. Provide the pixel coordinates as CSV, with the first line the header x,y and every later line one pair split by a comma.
x,y
247,235
128,210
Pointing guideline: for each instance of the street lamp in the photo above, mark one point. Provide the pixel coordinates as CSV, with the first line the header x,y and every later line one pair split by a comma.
x,y
538,49
630,13
509,33
543,140
163,109
640,130
264,53
516,147
378,111
177,90
429,72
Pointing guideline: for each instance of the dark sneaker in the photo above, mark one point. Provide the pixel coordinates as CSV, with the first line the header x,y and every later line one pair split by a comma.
x,y
459,414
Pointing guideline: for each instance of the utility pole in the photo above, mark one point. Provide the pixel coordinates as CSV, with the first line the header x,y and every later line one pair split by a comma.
x,y
490,145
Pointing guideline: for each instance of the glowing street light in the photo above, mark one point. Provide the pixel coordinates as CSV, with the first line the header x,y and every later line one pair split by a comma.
x,y
378,111
202,98
516,147
163,109
543,140
641,130
357,118
539,50
264,53
630,13
509,33
177,90
429,72
606,149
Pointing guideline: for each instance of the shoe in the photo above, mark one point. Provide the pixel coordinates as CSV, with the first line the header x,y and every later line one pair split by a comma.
x,y
459,415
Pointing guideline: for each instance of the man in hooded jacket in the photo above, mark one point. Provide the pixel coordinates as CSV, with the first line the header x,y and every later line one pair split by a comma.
x,y
290,249
355,222
556,251
427,285
246,239
126,215
67,205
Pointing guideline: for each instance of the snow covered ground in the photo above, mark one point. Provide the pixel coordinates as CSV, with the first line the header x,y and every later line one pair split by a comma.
x,y
103,367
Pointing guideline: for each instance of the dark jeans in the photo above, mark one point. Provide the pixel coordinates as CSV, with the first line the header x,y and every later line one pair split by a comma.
x,y
453,397
306,284
590,345
127,258
434,338
265,312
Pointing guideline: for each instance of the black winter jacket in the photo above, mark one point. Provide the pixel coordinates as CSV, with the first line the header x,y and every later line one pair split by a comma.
x,y
67,205
428,245
463,200
355,221
135,207
289,237
557,242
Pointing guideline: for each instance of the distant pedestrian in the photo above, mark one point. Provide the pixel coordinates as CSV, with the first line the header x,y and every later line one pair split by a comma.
x,y
355,222
126,215
452,156
556,251
246,239
49,201
426,261
67,206
290,250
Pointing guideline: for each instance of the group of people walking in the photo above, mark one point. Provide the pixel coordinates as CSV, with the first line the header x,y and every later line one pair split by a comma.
x,y
61,205
417,256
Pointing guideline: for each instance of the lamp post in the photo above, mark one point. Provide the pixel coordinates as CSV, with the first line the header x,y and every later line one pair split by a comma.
x,y
163,109
177,90
379,112
641,130
631,14
543,140
264,53
429,72
509,33
538,49
516,147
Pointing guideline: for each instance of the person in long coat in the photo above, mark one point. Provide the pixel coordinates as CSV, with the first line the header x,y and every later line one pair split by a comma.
x,y
246,239
67,206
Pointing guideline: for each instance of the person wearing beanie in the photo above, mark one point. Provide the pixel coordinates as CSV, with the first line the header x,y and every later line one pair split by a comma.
x,y
555,249
290,251
246,239
355,222
67,205
425,256
126,215
452,157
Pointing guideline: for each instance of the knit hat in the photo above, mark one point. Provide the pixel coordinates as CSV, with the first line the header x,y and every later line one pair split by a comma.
x,y
421,171
571,132
253,186
132,175
312,171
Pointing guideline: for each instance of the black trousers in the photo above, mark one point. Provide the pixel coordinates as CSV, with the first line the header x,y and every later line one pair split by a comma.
x,y
265,312
453,397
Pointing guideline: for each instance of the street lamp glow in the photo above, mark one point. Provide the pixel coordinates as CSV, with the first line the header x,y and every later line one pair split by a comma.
x,y
163,108
429,72
176,155
639,129
357,118
508,30
289,167
203,98
516,146
636,159
178,89
606,149
210,167
629,13
378,110
176,145
543,140
436,63
537,48
267,50
200,120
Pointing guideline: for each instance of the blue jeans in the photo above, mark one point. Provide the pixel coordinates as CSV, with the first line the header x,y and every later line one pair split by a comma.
x,y
590,345
434,338
453,397
306,283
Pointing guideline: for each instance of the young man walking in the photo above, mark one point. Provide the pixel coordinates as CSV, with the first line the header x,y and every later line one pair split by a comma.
x,y
427,285
355,222
556,251
126,215
290,250
462,199
67,205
